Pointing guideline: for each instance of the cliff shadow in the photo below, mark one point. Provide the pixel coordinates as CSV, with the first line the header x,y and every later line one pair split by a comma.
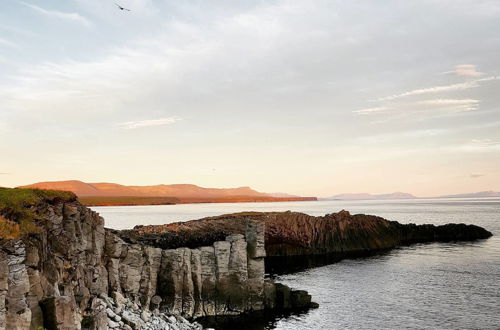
x,y
292,264
258,320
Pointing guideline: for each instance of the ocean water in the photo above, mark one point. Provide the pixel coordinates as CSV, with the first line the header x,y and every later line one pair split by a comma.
x,y
423,286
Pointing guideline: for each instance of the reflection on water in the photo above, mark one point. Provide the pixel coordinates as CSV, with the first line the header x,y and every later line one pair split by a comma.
x,y
424,286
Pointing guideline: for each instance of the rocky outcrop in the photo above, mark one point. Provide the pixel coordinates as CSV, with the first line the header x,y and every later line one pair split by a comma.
x,y
72,273
226,278
297,234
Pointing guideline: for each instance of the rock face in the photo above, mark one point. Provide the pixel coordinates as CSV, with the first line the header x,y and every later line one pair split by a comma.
x,y
297,234
75,274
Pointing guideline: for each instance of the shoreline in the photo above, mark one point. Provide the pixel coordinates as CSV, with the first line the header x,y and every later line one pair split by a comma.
x,y
305,200
87,201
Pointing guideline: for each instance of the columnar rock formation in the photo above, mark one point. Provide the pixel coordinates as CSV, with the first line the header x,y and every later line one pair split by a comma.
x,y
297,234
224,278
72,273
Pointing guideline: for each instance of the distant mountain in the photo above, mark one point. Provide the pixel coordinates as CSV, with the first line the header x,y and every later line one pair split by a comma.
x,y
364,196
396,195
112,189
112,194
480,194
401,195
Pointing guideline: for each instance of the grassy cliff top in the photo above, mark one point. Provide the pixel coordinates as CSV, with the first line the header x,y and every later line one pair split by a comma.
x,y
19,196
16,215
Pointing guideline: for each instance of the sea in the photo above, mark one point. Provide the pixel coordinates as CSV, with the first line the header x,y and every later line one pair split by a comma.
x,y
452,285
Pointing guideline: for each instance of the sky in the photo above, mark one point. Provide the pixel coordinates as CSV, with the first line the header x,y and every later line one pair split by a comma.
x,y
313,97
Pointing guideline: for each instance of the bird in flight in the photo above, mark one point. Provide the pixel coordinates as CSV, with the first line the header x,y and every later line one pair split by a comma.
x,y
121,8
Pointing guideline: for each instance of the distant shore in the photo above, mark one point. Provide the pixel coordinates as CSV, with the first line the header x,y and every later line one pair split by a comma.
x,y
141,200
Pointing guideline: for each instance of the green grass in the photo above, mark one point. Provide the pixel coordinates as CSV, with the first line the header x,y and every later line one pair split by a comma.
x,y
16,216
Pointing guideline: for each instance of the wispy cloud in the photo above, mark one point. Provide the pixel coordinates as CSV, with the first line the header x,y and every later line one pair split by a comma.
x,y
397,104
17,30
480,145
458,104
449,102
6,42
368,111
74,17
148,123
433,90
485,143
440,89
466,70
476,175
434,106
489,78
5,173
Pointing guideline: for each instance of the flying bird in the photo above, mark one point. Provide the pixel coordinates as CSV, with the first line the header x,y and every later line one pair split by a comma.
x,y
121,8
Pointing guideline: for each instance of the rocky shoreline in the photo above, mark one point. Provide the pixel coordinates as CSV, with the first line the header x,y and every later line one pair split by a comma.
x,y
69,272
293,239
61,269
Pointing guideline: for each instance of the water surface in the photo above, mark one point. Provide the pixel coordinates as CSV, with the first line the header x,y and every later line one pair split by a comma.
x,y
424,286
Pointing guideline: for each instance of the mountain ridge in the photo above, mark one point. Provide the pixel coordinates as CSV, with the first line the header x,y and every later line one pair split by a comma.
x,y
402,195
113,194
83,189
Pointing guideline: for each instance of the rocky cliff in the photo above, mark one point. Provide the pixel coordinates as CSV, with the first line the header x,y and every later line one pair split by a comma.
x,y
69,272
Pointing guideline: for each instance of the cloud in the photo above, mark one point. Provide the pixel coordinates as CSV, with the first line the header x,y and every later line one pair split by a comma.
x,y
184,62
462,70
433,90
6,42
449,102
477,146
368,111
485,143
489,78
476,175
480,145
466,70
74,17
148,123
16,30
393,105
459,104
430,106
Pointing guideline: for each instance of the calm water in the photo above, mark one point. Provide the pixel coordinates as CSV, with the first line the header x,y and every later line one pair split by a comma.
x,y
426,286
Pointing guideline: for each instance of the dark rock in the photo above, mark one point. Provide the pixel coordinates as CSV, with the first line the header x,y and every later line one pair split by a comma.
x,y
296,234
60,313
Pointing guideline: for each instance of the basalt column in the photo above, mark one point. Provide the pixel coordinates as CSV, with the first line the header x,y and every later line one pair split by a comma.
x,y
256,253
